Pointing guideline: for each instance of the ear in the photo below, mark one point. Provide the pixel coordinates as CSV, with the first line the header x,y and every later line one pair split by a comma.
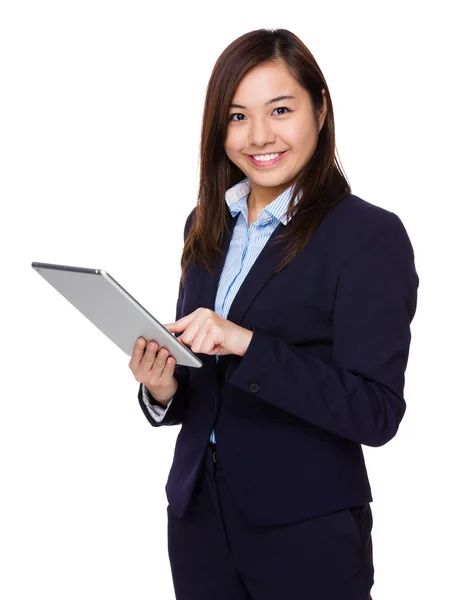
x,y
323,110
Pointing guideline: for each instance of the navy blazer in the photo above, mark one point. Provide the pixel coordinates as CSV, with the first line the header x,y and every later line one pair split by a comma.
x,y
323,374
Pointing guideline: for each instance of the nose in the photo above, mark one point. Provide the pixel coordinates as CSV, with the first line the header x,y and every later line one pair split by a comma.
x,y
260,133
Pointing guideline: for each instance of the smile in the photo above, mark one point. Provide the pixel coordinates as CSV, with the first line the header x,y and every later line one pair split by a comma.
x,y
266,160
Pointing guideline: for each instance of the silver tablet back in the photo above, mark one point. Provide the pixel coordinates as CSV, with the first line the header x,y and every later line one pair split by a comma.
x,y
101,299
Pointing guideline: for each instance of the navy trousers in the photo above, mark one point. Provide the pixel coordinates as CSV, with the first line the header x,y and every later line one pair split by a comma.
x,y
215,554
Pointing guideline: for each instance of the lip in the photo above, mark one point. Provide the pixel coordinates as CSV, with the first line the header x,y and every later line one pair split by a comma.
x,y
269,163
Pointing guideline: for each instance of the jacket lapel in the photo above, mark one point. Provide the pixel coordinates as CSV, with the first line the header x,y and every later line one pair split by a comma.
x,y
259,274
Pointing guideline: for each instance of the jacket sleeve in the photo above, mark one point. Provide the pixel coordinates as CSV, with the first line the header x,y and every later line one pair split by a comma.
x,y
174,414
156,410
359,394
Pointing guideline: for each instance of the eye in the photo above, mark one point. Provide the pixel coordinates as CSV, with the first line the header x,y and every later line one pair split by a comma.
x,y
230,118
283,108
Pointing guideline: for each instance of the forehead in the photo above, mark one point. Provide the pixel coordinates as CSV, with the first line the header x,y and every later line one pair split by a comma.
x,y
264,82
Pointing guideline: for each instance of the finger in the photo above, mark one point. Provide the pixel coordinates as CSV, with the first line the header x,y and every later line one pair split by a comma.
x,y
159,364
204,340
174,327
149,356
189,334
169,368
181,324
211,339
200,341
137,354
168,327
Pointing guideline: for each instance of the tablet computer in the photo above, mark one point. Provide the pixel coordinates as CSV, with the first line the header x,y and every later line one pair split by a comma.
x,y
107,305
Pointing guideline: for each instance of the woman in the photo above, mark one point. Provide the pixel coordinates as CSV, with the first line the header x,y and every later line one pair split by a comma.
x,y
298,296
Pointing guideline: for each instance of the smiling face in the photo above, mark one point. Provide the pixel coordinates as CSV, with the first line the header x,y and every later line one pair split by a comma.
x,y
261,122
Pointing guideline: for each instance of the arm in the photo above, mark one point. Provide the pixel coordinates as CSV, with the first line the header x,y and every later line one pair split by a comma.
x,y
359,395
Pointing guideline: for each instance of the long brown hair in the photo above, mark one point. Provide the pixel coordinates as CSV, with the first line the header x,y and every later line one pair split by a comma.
x,y
320,184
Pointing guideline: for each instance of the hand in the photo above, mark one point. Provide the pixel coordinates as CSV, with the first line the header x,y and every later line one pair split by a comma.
x,y
154,369
205,331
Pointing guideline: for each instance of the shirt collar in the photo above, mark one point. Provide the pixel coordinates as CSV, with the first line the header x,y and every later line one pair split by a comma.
x,y
236,199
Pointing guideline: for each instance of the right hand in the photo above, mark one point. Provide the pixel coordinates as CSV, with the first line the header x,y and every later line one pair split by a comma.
x,y
154,369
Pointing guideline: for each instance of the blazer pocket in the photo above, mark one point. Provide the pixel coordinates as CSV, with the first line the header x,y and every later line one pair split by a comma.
x,y
360,518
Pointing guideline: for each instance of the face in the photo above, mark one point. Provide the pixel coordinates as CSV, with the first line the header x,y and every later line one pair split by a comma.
x,y
261,124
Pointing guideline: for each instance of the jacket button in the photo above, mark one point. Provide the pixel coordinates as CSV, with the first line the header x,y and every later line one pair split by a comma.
x,y
254,387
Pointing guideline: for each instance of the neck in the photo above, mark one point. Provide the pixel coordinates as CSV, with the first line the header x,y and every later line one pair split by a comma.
x,y
258,201
260,197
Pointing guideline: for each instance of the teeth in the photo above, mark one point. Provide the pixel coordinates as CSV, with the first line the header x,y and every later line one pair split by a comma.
x,y
266,157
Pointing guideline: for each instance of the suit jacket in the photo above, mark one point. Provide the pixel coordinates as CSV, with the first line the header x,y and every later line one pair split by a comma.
x,y
323,374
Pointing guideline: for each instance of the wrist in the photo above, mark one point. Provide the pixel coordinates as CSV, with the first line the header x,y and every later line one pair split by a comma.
x,y
247,339
153,401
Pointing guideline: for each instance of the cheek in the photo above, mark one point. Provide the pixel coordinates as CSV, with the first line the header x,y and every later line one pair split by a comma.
x,y
232,151
229,148
299,135
233,143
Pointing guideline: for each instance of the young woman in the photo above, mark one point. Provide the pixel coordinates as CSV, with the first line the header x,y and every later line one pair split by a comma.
x,y
298,295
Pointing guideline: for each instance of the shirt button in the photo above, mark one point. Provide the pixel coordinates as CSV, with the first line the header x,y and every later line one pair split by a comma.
x,y
254,387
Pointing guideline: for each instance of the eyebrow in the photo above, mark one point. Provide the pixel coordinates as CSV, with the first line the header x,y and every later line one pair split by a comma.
x,y
278,99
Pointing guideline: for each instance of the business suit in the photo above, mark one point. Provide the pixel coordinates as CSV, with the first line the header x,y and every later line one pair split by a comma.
x,y
323,374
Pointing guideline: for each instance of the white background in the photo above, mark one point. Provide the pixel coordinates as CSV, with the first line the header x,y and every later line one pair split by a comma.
x,y
101,106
